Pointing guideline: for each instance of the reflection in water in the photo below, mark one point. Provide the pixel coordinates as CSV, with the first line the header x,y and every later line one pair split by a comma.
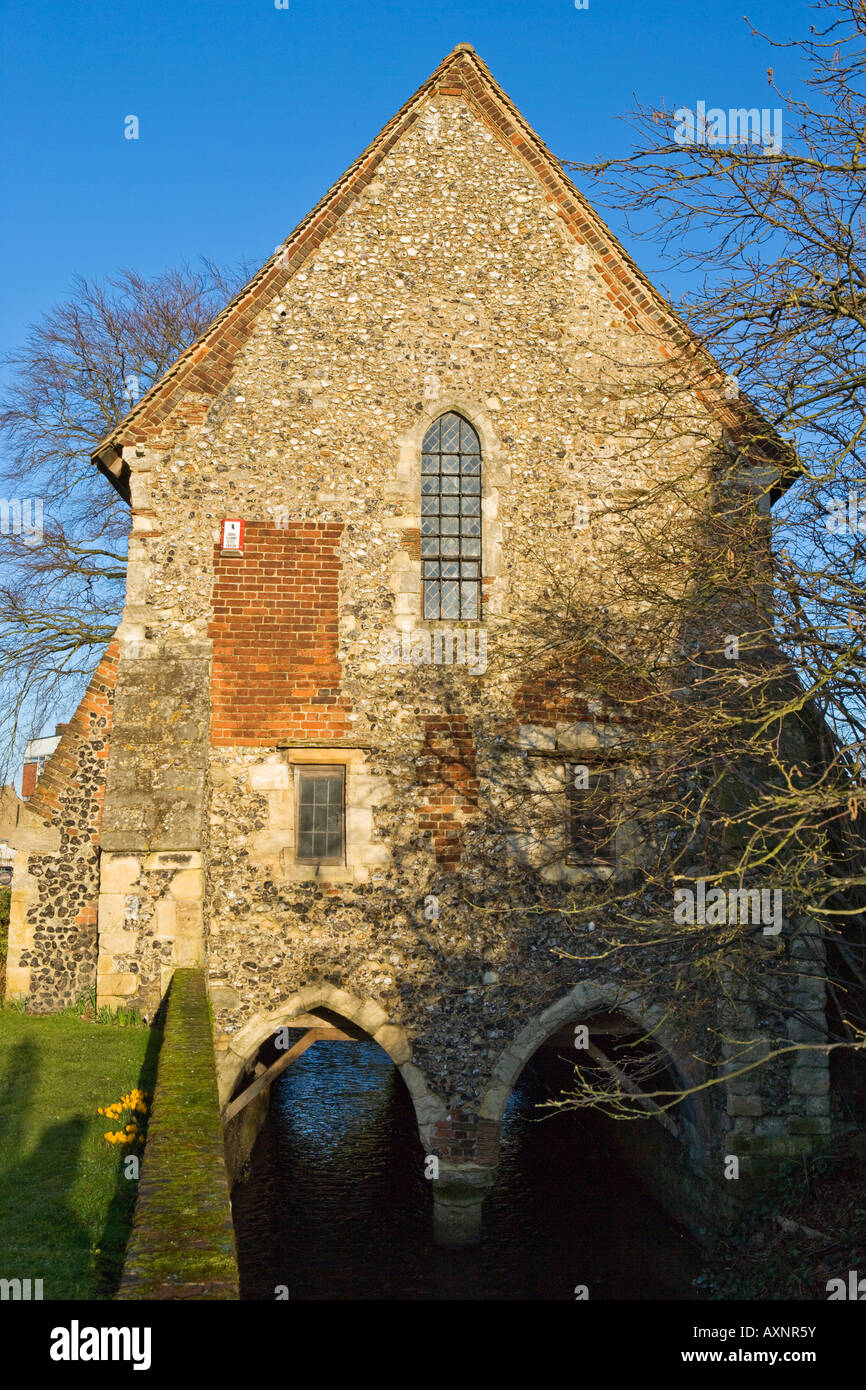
x,y
336,1205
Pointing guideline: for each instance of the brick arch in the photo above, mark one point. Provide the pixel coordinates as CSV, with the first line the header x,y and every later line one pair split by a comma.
x,y
430,1109
581,1003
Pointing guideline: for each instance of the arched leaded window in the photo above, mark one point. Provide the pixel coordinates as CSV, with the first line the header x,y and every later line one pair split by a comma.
x,y
451,519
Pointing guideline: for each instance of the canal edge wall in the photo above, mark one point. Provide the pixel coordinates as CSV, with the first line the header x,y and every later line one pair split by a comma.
x,y
182,1244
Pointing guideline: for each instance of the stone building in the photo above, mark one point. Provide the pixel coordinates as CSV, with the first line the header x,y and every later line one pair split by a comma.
x,y
345,499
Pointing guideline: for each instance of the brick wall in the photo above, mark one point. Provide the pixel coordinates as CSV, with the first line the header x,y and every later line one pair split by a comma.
x,y
275,628
556,687
463,1138
447,772
560,686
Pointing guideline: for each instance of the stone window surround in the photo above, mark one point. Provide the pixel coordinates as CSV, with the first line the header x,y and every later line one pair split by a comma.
x,y
406,490
561,751
451,509
362,793
606,858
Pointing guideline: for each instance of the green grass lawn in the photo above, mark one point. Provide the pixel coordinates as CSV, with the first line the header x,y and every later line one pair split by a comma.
x,y
5,898
65,1205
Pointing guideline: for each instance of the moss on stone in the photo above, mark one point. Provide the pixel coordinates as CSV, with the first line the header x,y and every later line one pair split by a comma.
x,y
182,1243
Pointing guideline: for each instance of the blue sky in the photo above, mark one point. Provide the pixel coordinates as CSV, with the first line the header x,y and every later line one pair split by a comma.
x,y
248,112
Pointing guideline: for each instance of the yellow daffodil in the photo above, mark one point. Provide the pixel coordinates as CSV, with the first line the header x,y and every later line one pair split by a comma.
x,y
134,1103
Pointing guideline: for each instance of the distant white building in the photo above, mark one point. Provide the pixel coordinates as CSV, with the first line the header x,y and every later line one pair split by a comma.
x,y
36,755
9,804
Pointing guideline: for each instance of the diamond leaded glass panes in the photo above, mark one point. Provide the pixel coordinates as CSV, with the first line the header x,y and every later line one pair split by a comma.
x,y
451,519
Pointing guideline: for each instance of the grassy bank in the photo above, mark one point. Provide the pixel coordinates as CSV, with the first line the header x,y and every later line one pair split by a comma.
x,y
807,1228
5,898
65,1205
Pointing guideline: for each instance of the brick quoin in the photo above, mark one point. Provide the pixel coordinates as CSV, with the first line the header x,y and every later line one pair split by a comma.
x,y
86,736
275,632
447,771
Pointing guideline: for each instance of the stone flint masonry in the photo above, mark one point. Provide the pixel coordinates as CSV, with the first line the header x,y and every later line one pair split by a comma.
x,y
403,407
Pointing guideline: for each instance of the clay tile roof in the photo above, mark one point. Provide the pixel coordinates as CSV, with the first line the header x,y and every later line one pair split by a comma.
x,y
204,369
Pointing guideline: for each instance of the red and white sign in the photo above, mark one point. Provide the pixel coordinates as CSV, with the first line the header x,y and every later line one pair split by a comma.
x,y
232,537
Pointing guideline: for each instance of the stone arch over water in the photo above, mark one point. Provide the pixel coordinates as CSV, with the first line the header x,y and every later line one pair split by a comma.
x,y
675,1163
365,1014
580,1005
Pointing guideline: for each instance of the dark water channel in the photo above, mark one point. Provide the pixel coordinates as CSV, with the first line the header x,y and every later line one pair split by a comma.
x,y
336,1205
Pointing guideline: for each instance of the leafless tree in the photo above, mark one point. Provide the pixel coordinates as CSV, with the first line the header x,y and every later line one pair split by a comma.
x,y
81,368
737,763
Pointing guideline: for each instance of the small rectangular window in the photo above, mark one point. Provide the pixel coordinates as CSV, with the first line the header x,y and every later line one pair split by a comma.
x,y
592,829
320,815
